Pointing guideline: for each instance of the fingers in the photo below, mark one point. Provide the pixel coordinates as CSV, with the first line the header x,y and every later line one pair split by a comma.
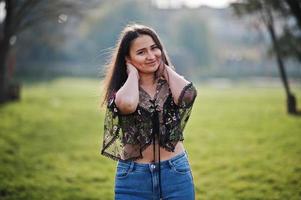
x,y
130,68
128,64
161,68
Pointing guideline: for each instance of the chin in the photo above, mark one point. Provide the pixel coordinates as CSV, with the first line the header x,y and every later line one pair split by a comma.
x,y
149,72
151,69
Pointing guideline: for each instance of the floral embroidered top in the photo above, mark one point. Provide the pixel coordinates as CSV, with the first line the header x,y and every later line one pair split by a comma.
x,y
158,119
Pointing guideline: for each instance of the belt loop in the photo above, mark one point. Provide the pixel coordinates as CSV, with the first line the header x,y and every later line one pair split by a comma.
x,y
170,164
132,166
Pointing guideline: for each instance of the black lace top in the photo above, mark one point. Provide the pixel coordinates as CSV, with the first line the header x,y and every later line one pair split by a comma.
x,y
126,136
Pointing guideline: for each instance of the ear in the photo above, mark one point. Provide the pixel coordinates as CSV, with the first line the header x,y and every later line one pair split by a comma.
x,y
127,59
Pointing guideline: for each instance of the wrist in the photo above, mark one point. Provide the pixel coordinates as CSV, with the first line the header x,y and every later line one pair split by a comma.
x,y
134,73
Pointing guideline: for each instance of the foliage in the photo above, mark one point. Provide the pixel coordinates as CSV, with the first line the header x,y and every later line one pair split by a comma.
x,y
90,40
23,15
286,20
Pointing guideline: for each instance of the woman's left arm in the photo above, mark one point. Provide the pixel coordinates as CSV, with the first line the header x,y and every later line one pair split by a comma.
x,y
179,86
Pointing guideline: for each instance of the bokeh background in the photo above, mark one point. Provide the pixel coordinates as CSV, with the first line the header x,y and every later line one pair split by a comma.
x,y
244,134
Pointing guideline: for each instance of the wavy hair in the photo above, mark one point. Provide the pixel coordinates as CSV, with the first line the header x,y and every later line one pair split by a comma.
x,y
116,73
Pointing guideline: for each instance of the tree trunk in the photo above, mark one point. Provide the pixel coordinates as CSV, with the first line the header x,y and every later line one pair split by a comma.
x,y
2,82
4,47
290,98
5,87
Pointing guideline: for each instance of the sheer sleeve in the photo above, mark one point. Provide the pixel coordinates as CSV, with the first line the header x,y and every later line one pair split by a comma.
x,y
111,148
185,103
125,136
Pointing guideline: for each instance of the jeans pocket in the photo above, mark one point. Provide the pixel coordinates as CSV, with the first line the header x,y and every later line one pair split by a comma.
x,y
180,166
122,170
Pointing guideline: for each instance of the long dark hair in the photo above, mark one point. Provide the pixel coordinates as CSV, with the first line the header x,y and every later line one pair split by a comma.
x,y
116,74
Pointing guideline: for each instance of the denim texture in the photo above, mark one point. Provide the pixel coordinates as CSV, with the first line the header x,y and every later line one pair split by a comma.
x,y
137,181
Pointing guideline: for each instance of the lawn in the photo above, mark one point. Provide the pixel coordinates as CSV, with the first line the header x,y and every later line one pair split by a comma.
x,y
241,143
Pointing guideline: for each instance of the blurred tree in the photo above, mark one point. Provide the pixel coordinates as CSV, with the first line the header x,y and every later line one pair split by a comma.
x,y
287,44
24,14
295,7
290,38
199,46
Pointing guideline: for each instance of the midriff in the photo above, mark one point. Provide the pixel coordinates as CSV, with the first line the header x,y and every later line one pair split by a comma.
x,y
148,154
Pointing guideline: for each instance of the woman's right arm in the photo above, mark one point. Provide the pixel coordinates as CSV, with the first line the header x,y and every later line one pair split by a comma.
x,y
127,97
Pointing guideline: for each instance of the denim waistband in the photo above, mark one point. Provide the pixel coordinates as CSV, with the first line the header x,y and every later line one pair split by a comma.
x,y
147,166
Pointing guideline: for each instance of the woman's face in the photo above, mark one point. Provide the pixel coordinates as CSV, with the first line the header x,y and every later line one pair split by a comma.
x,y
144,54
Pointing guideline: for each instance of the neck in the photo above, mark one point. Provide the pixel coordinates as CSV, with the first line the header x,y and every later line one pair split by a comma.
x,y
146,79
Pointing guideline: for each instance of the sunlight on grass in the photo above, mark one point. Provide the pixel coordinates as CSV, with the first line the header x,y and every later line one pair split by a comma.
x,y
241,144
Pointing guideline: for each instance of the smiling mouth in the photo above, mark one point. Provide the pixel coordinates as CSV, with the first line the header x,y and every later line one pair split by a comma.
x,y
152,63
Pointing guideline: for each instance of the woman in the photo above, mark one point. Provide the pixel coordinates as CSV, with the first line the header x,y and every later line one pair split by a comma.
x,y
148,105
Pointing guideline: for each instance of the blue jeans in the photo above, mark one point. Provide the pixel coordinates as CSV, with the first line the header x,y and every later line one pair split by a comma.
x,y
139,181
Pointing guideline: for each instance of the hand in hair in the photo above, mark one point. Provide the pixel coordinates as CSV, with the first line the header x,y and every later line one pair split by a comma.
x,y
161,72
131,69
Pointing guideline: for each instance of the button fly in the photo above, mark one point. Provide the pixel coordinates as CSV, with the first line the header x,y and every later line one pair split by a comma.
x,y
153,167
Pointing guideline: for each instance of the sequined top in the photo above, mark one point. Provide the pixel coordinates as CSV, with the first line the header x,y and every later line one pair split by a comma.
x,y
127,135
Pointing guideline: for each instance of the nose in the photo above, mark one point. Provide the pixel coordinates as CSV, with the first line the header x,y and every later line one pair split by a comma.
x,y
151,56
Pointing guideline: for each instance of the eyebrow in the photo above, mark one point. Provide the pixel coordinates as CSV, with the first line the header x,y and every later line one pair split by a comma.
x,y
145,48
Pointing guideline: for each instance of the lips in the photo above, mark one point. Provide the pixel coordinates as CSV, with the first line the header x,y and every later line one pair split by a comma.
x,y
152,63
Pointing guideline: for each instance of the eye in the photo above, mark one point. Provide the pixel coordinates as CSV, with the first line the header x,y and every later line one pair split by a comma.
x,y
140,53
155,47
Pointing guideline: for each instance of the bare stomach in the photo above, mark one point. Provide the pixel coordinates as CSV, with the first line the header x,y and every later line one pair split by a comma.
x,y
148,155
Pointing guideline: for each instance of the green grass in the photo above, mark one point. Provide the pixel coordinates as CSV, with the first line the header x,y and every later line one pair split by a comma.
x,y
241,144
